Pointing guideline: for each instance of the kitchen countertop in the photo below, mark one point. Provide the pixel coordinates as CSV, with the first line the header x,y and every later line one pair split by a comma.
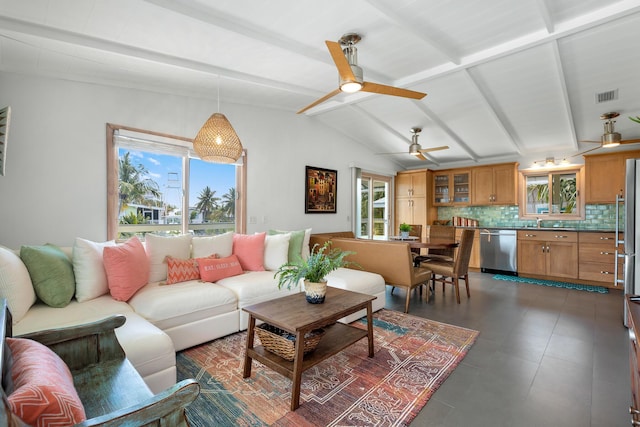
x,y
582,230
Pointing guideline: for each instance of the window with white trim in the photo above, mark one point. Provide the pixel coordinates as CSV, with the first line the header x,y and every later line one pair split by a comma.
x,y
157,184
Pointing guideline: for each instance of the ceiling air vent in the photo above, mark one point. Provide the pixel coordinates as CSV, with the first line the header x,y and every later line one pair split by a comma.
x,y
607,96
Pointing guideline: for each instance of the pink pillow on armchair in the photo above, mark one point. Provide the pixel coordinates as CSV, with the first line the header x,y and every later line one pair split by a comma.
x,y
127,268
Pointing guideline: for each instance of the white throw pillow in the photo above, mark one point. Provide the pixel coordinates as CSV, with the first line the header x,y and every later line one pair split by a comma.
x,y
88,268
221,244
276,251
15,284
159,247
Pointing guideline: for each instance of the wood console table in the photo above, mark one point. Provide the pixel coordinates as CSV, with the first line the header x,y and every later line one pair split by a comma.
x,y
294,314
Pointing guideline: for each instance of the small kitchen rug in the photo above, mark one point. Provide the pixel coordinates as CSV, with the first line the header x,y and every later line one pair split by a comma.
x,y
552,283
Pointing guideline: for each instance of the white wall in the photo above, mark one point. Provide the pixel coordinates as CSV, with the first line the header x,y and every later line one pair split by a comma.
x,y
54,187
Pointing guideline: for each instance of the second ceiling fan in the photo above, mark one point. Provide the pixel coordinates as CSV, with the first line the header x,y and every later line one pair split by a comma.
x,y
610,138
351,76
415,149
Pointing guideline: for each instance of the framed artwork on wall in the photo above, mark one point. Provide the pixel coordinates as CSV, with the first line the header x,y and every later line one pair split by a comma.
x,y
4,134
321,188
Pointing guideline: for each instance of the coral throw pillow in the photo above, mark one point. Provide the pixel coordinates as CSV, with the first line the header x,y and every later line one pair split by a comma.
x,y
127,268
212,270
182,270
43,393
249,248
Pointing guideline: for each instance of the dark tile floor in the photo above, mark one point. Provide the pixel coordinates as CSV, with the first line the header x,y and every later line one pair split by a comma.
x,y
544,357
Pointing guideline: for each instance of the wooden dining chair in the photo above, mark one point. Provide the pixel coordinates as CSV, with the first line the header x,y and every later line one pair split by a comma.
x,y
416,231
451,272
442,232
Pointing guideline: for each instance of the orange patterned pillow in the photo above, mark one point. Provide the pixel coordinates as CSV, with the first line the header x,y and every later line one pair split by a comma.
x,y
43,394
212,270
182,270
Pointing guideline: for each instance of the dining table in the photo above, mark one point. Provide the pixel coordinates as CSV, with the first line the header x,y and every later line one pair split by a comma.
x,y
429,243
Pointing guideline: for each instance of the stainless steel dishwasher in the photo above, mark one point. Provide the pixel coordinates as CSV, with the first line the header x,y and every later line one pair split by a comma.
x,y
498,251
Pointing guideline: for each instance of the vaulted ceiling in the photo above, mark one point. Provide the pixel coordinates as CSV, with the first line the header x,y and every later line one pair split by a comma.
x,y
505,80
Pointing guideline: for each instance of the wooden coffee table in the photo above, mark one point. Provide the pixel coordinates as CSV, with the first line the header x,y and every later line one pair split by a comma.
x,y
295,315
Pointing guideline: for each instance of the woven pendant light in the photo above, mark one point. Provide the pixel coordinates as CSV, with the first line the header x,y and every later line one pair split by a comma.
x,y
217,142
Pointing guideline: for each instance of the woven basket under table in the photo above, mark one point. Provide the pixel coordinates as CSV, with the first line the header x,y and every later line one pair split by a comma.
x,y
283,343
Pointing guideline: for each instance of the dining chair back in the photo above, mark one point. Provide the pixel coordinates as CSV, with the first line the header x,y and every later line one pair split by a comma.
x,y
416,231
451,272
442,232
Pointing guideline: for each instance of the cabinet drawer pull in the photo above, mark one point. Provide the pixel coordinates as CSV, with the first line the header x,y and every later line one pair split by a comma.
x,y
633,411
529,235
606,238
606,253
560,237
606,272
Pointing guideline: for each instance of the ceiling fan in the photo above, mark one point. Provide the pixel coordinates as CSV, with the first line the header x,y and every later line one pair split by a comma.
x,y
416,149
610,138
351,76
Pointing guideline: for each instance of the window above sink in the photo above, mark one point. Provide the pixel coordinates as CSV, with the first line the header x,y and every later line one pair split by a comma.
x,y
554,193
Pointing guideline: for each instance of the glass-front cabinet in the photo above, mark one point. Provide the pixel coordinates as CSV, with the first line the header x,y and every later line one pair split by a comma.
x,y
451,187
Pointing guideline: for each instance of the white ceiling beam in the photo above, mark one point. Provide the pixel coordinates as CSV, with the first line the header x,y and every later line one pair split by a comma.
x,y
446,129
39,30
491,107
563,29
422,32
546,16
565,93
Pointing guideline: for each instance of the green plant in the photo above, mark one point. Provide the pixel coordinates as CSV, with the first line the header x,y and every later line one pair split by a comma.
x,y
635,119
405,227
322,261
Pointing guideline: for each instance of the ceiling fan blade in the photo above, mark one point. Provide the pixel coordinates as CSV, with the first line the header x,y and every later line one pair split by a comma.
x,y
426,150
319,101
390,90
588,151
420,156
597,142
630,141
344,69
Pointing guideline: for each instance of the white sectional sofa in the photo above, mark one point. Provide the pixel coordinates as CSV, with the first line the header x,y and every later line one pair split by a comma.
x,y
165,318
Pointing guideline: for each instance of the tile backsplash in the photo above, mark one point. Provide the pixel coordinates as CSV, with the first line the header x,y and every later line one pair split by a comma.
x,y
597,217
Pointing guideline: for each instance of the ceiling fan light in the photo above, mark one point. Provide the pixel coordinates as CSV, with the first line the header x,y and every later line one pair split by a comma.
x,y
414,149
611,139
350,87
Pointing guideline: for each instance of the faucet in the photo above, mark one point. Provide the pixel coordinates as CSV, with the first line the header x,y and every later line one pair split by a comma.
x,y
538,221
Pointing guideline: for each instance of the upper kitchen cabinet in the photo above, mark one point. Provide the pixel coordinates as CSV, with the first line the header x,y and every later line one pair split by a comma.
x,y
451,187
494,185
411,184
411,199
605,175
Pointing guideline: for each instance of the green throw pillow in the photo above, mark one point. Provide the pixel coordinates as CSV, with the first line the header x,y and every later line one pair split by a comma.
x,y
295,243
51,274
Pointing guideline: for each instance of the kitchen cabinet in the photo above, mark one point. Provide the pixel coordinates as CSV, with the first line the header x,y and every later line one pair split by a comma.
x,y
548,253
494,185
605,175
474,260
597,257
451,187
633,321
411,199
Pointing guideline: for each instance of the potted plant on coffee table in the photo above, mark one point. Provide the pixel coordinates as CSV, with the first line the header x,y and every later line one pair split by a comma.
x,y
322,261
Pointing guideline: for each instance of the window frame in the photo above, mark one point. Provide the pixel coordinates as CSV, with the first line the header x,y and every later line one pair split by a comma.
x,y
549,173
113,178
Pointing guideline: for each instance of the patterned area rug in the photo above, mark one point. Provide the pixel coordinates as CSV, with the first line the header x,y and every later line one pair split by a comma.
x,y
413,356
566,285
